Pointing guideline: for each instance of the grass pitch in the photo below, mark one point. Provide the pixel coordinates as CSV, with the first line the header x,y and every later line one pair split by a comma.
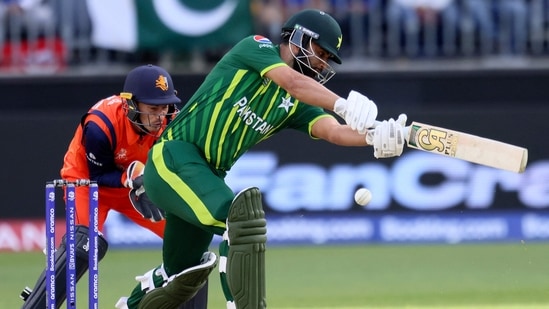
x,y
503,276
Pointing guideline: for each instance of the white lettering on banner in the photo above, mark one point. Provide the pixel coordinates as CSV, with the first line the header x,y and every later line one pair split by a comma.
x,y
535,226
307,186
535,187
121,232
8,238
253,170
25,236
320,231
424,228
409,190
401,228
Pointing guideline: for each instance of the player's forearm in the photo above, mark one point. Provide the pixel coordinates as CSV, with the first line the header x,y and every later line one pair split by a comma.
x,y
309,91
313,93
330,130
106,178
345,136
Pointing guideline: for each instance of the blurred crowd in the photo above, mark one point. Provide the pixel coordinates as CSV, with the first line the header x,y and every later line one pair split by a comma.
x,y
425,28
377,29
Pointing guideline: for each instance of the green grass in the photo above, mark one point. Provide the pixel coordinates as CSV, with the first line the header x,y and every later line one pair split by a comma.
x,y
504,276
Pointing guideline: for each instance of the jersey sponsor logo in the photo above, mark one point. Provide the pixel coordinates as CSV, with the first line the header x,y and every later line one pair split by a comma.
x,y
91,157
264,42
262,39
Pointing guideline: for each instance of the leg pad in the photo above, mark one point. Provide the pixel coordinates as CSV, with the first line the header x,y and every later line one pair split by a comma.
x,y
247,233
36,298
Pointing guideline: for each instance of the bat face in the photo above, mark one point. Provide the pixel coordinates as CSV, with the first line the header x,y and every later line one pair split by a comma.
x,y
467,147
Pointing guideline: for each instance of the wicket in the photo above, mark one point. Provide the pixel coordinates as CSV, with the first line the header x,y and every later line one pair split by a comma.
x,y
93,249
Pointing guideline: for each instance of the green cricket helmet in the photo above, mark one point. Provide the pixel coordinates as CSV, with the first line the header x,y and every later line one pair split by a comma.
x,y
313,26
321,27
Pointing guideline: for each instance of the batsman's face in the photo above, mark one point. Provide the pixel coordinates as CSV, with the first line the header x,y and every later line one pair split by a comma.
x,y
319,58
152,116
311,59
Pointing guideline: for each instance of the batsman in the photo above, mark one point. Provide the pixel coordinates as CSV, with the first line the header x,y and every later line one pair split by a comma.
x,y
255,91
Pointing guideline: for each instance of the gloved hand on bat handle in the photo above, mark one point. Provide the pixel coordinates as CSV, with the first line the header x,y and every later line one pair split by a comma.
x,y
357,110
138,197
388,137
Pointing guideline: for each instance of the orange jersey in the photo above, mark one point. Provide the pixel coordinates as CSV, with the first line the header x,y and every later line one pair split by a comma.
x,y
104,144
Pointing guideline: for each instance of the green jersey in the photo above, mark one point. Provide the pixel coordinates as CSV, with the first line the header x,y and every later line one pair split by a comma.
x,y
236,107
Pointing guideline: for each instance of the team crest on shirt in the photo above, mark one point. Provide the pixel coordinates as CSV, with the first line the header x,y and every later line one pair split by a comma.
x,y
121,155
286,104
263,41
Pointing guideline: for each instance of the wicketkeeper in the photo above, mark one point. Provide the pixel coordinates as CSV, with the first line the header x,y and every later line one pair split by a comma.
x,y
109,146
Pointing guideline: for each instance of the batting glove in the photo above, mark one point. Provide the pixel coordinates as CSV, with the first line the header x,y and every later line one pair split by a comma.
x,y
357,110
388,137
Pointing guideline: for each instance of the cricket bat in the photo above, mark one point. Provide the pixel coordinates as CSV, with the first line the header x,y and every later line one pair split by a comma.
x,y
466,147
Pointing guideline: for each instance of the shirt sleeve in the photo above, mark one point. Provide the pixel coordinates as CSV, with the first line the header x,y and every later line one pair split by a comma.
x,y
305,116
256,53
100,157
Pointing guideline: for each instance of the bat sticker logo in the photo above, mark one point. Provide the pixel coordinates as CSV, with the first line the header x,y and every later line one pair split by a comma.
x,y
434,140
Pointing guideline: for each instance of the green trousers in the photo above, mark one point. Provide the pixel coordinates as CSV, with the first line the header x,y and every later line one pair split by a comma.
x,y
195,198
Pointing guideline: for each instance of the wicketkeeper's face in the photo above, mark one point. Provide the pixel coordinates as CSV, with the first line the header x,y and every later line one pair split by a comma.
x,y
152,116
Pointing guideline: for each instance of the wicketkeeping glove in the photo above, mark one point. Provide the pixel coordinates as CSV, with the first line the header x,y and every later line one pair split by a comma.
x,y
358,111
138,197
388,137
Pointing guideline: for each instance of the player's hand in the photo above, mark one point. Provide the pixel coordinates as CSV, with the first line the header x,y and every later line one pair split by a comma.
x,y
357,110
134,170
388,137
143,204
138,197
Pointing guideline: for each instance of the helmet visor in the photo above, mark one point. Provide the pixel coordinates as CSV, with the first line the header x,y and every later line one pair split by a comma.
x,y
150,118
303,39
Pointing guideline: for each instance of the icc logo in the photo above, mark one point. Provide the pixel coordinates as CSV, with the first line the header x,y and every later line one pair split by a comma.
x,y
71,196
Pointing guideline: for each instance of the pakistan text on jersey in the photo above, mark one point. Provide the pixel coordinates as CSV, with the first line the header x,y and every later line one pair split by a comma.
x,y
250,118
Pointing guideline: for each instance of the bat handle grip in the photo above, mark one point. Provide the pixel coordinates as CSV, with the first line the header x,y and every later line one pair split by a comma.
x,y
406,130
